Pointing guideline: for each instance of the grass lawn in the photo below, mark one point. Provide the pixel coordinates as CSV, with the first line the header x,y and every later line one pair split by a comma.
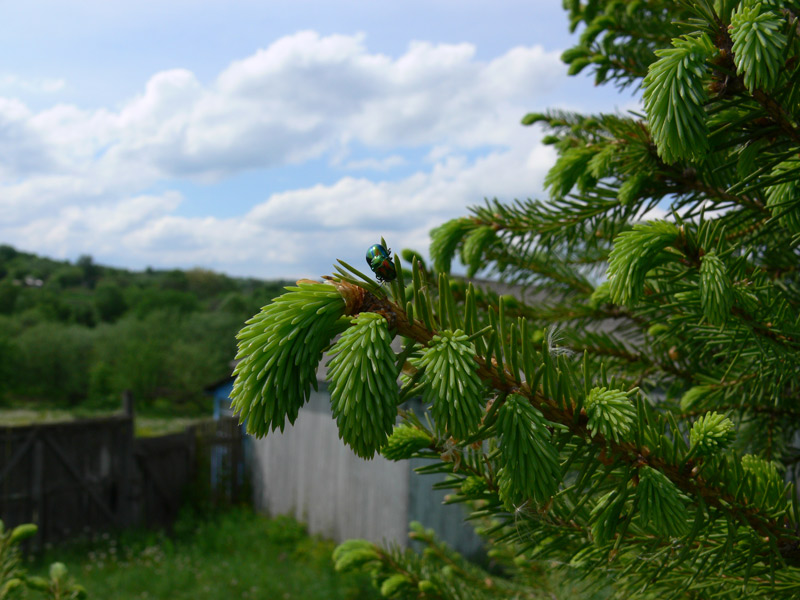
x,y
236,554
145,425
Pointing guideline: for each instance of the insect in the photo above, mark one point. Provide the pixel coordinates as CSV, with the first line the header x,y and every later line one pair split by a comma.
x,y
379,260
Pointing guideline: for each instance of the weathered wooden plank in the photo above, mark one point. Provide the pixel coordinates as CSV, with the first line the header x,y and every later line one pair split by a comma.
x,y
101,504
19,454
153,479
426,505
309,473
38,494
83,478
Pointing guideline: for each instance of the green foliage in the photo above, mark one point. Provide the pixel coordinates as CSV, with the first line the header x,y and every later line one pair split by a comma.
x,y
279,350
436,572
231,554
176,301
630,189
444,240
474,247
8,296
715,289
364,392
164,355
353,554
66,277
695,396
610,412
664,263
783,199
570,169
405,441
529,461
56,360
758,44
711,433
15,582
452,384
635,254
661,505
607,516
110,301
79,334
674,98
767,485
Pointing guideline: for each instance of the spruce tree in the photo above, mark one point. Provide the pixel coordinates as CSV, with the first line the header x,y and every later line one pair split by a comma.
x,y
634,410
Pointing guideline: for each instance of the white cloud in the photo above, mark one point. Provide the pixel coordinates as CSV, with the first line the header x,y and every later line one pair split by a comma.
x,y
301,97
74,180
300,232
95,229
12,82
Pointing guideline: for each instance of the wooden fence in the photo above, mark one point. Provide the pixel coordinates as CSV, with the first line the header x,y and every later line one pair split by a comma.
x,y
309,473
82,477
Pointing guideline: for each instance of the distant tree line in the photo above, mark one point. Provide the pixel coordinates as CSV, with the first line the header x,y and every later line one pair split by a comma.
x,y
77,334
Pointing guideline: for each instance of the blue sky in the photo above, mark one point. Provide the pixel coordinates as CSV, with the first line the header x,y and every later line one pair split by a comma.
x,y
268,139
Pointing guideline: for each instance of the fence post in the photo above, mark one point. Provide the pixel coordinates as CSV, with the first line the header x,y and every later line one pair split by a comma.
x,y
127,403
125,508
38,513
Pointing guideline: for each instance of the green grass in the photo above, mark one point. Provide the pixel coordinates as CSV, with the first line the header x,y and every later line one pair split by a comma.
x,y
145,425
237,554
29,416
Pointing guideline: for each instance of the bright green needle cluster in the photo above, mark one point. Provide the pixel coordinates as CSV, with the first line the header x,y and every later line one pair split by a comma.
x,y
569,170
364,390
694,396
473,247
660,504
783,199
452,384
674,98
473,486
444,242
767,484
715,289
607,515
758,45
530,461
631,188
710,433
394,584
636,252
405,441
279,350
610,412
354,554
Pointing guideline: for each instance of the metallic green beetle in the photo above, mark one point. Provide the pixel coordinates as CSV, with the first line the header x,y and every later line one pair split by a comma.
x,y
379,260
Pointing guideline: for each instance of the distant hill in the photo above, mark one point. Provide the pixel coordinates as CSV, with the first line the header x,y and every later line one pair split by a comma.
x,y
78,334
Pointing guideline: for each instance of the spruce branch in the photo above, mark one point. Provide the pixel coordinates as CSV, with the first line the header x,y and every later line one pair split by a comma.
x,y
712,493
674,97
530,461
674,489
279,350
776,112
758,45
364,390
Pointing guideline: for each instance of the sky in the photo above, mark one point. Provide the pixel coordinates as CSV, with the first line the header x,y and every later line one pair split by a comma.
x,y
269,138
